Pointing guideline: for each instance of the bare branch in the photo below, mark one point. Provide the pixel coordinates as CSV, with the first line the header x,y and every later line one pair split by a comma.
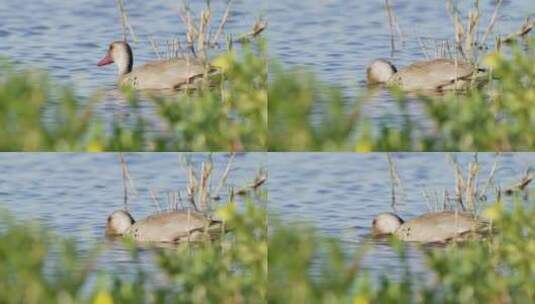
x,y
492,22
125,186
221,24
524,30
155,200
524,181
224,177
124,21
260,179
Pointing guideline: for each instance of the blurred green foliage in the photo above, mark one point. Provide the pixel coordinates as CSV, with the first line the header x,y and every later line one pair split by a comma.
x,y
498,117
24,249
233,272
301,267
500,269
228,115
304,114
307,115
294,98
37,267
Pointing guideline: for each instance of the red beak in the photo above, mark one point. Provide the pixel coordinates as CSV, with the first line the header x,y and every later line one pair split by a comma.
x,y
106,60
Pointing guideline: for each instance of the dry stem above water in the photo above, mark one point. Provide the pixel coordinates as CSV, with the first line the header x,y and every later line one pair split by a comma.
x,y
393,25
201,34
469,196
199,192
468,40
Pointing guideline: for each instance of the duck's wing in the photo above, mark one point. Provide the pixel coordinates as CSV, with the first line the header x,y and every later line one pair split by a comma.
x,y
437,227
432,74
170,227
164,74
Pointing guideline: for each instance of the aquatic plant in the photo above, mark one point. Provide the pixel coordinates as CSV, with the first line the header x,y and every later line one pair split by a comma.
x,y
234,271
499,117
319,270
303,267
232,118
25,274
39,267
38,116
26,98
305,114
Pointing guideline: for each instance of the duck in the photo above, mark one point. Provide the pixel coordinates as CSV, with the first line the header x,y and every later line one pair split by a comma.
x,y
172,74
433,227
166,227
429,75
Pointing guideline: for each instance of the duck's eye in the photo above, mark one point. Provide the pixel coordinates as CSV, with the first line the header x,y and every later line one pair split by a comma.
x,y
109,219
374,221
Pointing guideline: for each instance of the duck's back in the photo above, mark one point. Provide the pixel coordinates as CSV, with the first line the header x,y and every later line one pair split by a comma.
x,y
170,227
431,75
437,227
164,74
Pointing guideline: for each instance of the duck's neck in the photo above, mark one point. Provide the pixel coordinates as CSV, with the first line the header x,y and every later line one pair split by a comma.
x,y
125,62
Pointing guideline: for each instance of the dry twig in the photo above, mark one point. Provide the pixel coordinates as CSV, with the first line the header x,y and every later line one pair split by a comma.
x,y
395,181
260,179
393,24
155,200
127,181
492,22
259,26
524,30
214,39
459,183
224,177
524,181
124,21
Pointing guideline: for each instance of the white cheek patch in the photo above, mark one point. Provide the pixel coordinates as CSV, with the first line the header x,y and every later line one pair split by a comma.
x,y
120,59
381,71
386,223
121,223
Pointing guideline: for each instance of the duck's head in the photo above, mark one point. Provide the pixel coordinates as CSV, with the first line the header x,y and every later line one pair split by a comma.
x,y
120,53
118,223
380,71
385,224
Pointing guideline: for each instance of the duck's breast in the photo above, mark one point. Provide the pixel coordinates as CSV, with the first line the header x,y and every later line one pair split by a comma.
x,y
165,74
436,227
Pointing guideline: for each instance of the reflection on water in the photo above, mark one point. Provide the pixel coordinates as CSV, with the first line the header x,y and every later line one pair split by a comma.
x,y
67,38
74,193
338,39
340,193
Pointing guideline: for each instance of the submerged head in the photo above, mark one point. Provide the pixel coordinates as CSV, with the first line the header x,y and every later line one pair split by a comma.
x,y
119,222
385,223
380,71
119,53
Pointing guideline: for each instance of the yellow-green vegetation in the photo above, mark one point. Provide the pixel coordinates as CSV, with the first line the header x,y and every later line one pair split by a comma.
x,y
38,267
294,99
306,115
499,117
232,116
500,269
